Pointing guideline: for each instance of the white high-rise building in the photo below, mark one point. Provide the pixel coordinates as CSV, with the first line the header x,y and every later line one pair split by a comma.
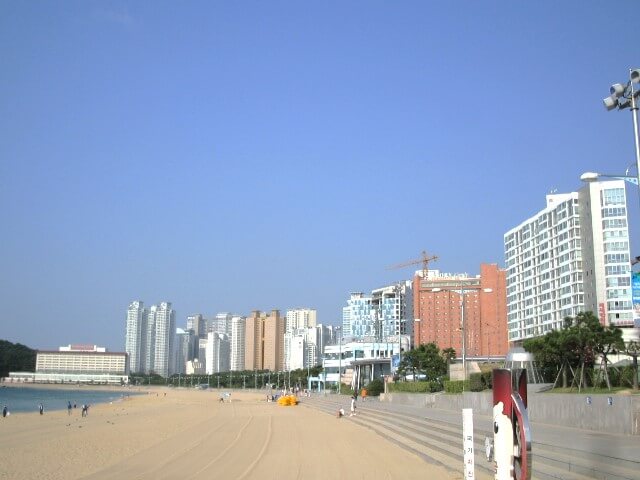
x,y
303,347
149,338
571,257
149,341
197,323
358,320
222,323
217,353
201,351
183,351
386,312
543,259
165,328
300,318
237,343
135,330
393,309
294,350
322,338
606,251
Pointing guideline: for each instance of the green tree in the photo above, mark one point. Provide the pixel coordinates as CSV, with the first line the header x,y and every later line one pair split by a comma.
x,y
449,354
425,359
575,347
607,340
15,357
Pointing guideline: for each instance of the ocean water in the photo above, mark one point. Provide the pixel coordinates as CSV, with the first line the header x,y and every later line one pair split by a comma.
x,y
21,399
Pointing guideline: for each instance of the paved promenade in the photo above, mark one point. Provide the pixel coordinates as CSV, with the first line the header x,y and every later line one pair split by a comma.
x,y
592,454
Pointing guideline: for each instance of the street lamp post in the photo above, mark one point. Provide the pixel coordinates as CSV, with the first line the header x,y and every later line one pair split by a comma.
x,y
308,368
623,96
463,323
339,359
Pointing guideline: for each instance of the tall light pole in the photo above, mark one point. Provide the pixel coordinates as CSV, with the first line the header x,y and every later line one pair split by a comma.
x,y
463,322
308,366
623,96
339,330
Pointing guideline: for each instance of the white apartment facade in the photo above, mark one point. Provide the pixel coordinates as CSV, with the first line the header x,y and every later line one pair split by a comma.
x,y
237,343
197,323
136,327
165,328
150,337
607,252
80,363
217,353
338,360
295,347
221,323
387,311
183,350
571,257
300,318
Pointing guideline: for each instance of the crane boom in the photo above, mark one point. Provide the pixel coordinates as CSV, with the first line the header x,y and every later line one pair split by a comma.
x,y
425,260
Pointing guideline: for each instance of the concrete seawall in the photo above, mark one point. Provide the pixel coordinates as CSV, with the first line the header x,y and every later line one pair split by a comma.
x,y
603,413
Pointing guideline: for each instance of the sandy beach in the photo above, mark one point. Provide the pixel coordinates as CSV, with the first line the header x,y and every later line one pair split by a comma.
x,y
189,434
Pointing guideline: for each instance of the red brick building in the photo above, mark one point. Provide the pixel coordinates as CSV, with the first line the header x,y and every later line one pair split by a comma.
x,y
440,300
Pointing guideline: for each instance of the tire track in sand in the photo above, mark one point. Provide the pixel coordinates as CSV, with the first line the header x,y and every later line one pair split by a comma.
x,y
181,452
223,452
261,453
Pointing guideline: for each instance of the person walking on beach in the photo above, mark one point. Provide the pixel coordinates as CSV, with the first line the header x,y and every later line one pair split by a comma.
x,y
41,408
69,407
5,411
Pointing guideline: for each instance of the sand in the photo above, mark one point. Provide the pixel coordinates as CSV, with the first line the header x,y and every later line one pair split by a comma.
x,y
189,434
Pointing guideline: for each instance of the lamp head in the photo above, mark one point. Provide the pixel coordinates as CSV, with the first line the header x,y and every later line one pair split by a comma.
x,y
617,90
635,75
589,176
610,103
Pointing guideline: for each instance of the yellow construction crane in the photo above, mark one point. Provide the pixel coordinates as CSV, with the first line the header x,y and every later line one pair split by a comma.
x,y
425,260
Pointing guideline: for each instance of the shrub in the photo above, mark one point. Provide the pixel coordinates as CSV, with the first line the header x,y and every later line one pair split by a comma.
x,y
476,382
375,387
487,378
456,386
415,387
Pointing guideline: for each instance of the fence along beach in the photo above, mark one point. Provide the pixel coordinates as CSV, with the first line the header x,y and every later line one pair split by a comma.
x,y
189,434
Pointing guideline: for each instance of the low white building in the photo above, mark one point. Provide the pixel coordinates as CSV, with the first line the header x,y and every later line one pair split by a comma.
x,y
195,367
339,360
77,364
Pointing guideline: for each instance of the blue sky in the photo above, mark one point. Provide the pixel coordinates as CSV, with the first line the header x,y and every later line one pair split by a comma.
x,y
232,156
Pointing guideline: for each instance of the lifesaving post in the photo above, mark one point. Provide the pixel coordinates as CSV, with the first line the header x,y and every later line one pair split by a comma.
x,y
511,427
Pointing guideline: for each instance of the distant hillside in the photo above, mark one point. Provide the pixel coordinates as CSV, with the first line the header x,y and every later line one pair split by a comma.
x,y
15,357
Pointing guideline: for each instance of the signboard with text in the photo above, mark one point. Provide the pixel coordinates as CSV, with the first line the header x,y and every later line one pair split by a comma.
x,y
635,296
395,363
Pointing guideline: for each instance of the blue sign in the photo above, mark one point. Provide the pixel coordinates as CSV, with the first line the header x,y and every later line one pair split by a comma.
x,y
635,295
395,362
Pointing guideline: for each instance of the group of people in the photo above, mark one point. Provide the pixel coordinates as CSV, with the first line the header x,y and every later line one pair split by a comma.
x,y
341,413
354,398
85,408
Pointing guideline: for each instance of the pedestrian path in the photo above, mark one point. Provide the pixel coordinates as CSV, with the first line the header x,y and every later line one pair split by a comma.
x,y
436,435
